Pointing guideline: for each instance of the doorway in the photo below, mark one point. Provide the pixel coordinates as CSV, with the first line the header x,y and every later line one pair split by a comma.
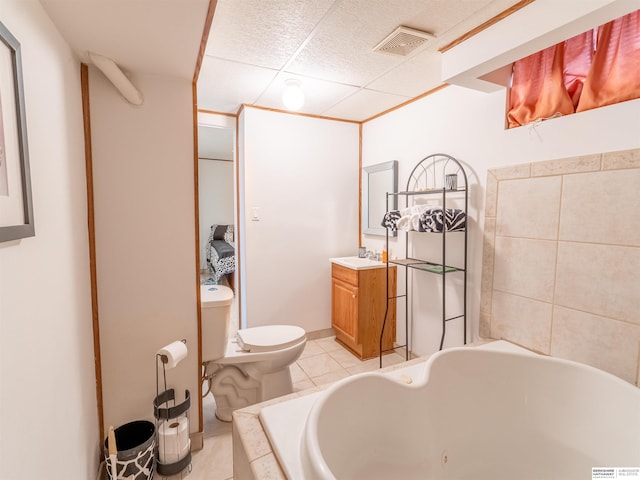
x,y
217,210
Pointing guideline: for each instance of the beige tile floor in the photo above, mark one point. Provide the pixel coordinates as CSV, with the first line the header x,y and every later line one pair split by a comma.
x,y
323,361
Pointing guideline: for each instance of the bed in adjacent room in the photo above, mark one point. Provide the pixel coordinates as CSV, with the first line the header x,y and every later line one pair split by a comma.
x,y
220,250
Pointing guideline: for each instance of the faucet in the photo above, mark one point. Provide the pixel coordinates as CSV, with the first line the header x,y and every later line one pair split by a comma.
x,y
373,255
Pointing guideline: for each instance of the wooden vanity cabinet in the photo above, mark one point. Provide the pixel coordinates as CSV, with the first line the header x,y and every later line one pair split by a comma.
x,y
358,305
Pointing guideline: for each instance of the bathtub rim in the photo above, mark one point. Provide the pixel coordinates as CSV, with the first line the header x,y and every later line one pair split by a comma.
x,y
313,461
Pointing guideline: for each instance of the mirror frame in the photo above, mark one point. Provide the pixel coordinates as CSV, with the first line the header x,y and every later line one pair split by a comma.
x,y
364,214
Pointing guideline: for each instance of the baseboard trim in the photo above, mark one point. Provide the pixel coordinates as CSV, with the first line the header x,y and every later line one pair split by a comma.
x,y
315,335
197,441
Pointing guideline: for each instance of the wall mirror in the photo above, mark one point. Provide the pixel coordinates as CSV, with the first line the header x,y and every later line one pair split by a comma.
x,y
377,181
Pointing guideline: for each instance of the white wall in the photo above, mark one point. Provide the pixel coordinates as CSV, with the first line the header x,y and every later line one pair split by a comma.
x,y
469,125
215,192
48,413
145,240
302,174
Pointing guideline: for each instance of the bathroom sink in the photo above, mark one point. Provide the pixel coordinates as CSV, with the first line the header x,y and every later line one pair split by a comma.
x,y
357,263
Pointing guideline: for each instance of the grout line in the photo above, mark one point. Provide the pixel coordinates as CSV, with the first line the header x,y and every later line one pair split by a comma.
x,y
555,263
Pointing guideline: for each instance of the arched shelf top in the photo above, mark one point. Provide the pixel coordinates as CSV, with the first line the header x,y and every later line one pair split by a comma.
x,y
431,173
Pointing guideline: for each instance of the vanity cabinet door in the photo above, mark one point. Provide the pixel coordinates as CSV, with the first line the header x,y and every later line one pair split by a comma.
x,y
344,314
358,306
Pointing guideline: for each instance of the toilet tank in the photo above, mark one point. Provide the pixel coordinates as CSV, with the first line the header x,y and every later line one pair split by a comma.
x,y
215,304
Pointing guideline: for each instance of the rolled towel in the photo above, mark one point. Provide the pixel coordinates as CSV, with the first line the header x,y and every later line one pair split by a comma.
x,y
390,220
414,222
404,223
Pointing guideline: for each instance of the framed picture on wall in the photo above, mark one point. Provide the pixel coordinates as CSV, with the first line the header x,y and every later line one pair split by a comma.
x,y
16,209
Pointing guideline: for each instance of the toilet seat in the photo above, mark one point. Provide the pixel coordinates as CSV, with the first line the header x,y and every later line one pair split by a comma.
x,y
269,338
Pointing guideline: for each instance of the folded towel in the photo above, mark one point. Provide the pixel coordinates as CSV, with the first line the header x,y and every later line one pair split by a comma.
x,y
433,220
424,218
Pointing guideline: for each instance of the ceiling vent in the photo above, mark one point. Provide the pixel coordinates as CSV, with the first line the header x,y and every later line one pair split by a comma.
x,y
403,41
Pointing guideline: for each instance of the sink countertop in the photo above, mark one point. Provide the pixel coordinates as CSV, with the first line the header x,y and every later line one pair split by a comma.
x,y
357,263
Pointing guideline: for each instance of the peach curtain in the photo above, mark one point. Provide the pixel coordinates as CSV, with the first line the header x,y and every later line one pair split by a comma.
x,y
538,89
578,56
596,68
615,72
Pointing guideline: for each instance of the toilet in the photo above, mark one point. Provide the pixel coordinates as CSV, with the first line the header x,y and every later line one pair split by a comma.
x,y
249,367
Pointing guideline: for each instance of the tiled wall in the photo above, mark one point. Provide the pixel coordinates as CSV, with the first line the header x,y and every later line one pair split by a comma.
x,y
561,264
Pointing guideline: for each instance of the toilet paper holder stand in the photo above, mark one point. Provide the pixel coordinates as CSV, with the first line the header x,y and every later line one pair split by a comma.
x,y
166,409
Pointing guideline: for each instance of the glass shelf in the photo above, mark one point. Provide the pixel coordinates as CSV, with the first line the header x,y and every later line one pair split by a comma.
x,y
428,191
434,268
426,266
405,261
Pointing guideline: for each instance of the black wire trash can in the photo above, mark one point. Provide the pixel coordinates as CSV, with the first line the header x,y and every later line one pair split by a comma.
x,y
136,446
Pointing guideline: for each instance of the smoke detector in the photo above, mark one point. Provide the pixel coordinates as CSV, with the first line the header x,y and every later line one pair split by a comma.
x,y
402,41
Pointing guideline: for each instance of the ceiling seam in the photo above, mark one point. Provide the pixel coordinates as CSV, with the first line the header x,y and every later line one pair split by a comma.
x,y
237,62
302,46
365,87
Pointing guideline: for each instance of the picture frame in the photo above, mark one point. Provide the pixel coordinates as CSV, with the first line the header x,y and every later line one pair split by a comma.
x,y
16,206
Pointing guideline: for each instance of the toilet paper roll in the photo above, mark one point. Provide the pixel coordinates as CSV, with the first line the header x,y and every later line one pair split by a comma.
x,y
170,458
173,440
172,354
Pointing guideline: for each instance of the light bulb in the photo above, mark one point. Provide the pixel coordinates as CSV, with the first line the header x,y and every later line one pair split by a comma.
x,y
293,96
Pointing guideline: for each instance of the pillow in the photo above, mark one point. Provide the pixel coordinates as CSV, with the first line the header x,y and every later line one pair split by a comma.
x,y
219,231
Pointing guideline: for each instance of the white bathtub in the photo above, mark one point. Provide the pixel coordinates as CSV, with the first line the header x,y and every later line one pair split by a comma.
x,y
473,413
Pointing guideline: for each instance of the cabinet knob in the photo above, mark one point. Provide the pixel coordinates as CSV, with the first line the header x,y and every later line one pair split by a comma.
x,y
353,295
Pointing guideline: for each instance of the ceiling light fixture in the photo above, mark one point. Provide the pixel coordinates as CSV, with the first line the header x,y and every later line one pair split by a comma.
x,y
293,96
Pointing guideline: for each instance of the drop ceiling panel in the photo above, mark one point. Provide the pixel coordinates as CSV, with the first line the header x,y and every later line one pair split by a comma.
x,y
364,104
223,86
417,75
342,48
319,95
264,33
455,18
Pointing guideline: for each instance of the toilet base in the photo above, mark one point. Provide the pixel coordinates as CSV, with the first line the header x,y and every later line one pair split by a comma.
x,y
233,388
276,384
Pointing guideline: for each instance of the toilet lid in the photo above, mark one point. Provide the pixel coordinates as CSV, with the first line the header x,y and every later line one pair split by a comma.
x,y
269,337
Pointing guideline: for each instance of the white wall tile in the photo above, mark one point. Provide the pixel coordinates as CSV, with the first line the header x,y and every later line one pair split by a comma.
x,y
529,208
521,320
601,207
601,279
525,267
587,163
621,159
488,255
610,345
522,170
